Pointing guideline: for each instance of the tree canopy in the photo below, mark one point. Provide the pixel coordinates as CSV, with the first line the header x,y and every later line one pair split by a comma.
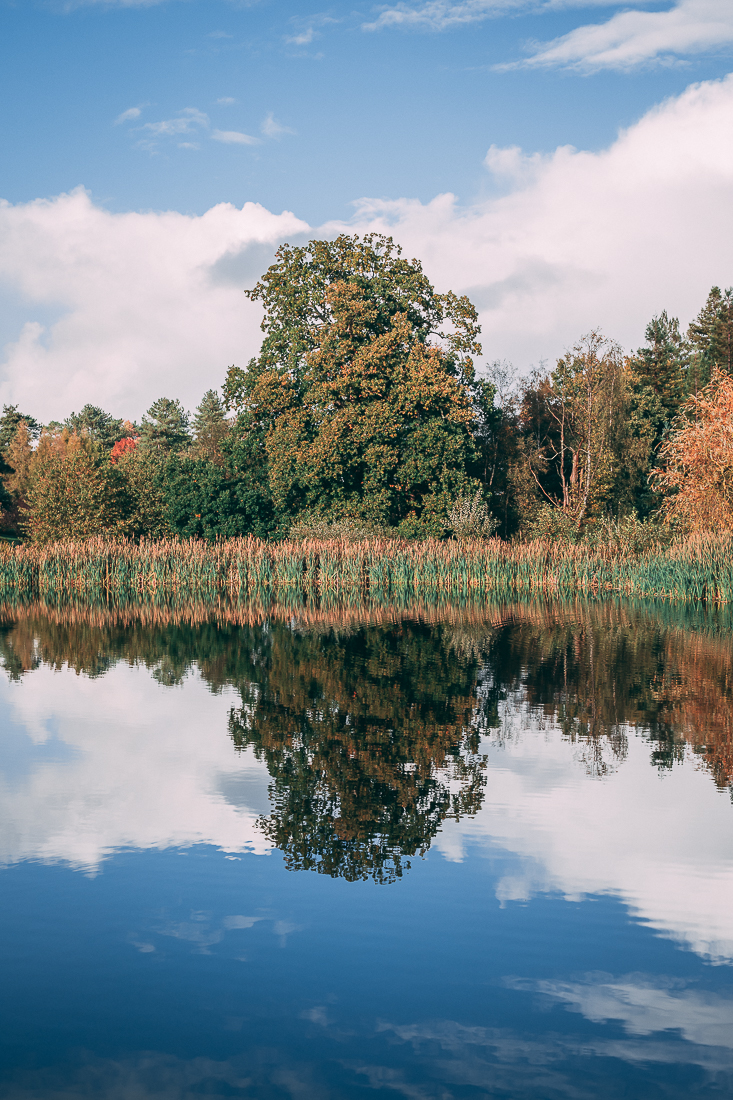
x,y
362,389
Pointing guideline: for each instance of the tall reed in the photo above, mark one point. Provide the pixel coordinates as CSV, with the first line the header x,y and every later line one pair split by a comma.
x,y
700,568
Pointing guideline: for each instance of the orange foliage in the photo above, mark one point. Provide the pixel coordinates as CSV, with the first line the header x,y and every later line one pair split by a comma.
x,y
122,447
697,471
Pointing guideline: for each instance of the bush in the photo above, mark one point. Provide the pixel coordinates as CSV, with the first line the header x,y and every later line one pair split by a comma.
x,y
469,518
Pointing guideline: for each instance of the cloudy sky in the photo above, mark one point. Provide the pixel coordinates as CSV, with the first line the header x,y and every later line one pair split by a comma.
x,y
568,164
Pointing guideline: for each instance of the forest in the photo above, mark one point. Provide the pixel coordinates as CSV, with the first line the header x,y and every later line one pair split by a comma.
x,y
367,413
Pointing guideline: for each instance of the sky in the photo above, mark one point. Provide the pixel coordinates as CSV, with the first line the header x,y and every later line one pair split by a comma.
x,y
567,164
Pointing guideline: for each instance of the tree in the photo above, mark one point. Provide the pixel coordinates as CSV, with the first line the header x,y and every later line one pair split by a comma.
x,y
9,422
370,739
697,460
210,427
98,425
711,337
6,500
75,492
360,396
588,432
662,364
225,499
165,427
143,475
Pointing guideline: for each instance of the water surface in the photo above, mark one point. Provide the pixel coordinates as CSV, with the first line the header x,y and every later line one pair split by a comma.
x,y
341,852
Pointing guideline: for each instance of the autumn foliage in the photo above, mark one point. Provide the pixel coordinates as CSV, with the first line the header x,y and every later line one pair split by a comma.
x,y
697,471
122,447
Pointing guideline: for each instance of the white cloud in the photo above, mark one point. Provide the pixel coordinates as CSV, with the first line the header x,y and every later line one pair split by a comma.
x,y
187,121
226,100
137,770
128,115
645,1006
303,39
442,15
272,128
580,837
234,137
147,304
632,38
565,241
575,239
439,15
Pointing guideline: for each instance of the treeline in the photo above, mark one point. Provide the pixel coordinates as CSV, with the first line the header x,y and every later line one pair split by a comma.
x,y
364,413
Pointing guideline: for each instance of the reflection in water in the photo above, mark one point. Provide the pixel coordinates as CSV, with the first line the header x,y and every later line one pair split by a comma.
x,y
568,765
371,739
370,721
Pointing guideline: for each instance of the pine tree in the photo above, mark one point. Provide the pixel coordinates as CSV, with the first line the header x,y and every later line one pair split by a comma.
x,y
711,337
210,427
662,364
95,423
165,427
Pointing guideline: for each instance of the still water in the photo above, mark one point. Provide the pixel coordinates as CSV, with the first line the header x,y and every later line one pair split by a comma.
x,y
348,853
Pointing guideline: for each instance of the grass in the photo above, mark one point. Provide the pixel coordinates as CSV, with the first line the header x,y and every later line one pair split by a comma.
x,y
699,568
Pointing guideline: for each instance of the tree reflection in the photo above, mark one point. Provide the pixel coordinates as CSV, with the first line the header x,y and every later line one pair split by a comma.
x,y
370,721
371,741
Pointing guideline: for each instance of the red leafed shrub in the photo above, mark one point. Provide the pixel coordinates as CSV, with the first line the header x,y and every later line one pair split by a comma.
x,y
122,447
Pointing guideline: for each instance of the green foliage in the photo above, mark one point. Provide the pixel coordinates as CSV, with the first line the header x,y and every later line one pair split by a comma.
x,y
711,337
98,425
359,413
469,518
142,472
165,427
211,500
6,500
663,364
9,422
75,494
368,749
210,427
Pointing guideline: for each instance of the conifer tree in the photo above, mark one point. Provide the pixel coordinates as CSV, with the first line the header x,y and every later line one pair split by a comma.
x,y
711,337
165,427
210,427
662,364
97,424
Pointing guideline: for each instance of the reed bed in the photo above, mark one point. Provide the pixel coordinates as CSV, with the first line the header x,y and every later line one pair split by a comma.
x,y
392,570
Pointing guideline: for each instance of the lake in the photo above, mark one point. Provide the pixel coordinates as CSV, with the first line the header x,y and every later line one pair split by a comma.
x,y
345,851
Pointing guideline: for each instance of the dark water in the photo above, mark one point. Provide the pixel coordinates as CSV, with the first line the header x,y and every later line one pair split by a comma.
x,y
332,853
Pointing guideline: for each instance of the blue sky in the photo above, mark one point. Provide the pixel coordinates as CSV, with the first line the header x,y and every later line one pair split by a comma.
x,y
407,109
568,165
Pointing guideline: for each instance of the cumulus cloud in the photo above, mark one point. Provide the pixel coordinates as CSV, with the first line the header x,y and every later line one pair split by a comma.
x,y
135,770
226,100
121,308
579,837
632,38
141,304
234,137
575,239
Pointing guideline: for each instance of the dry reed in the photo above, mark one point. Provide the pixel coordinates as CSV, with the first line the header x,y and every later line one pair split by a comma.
x,y
701,568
